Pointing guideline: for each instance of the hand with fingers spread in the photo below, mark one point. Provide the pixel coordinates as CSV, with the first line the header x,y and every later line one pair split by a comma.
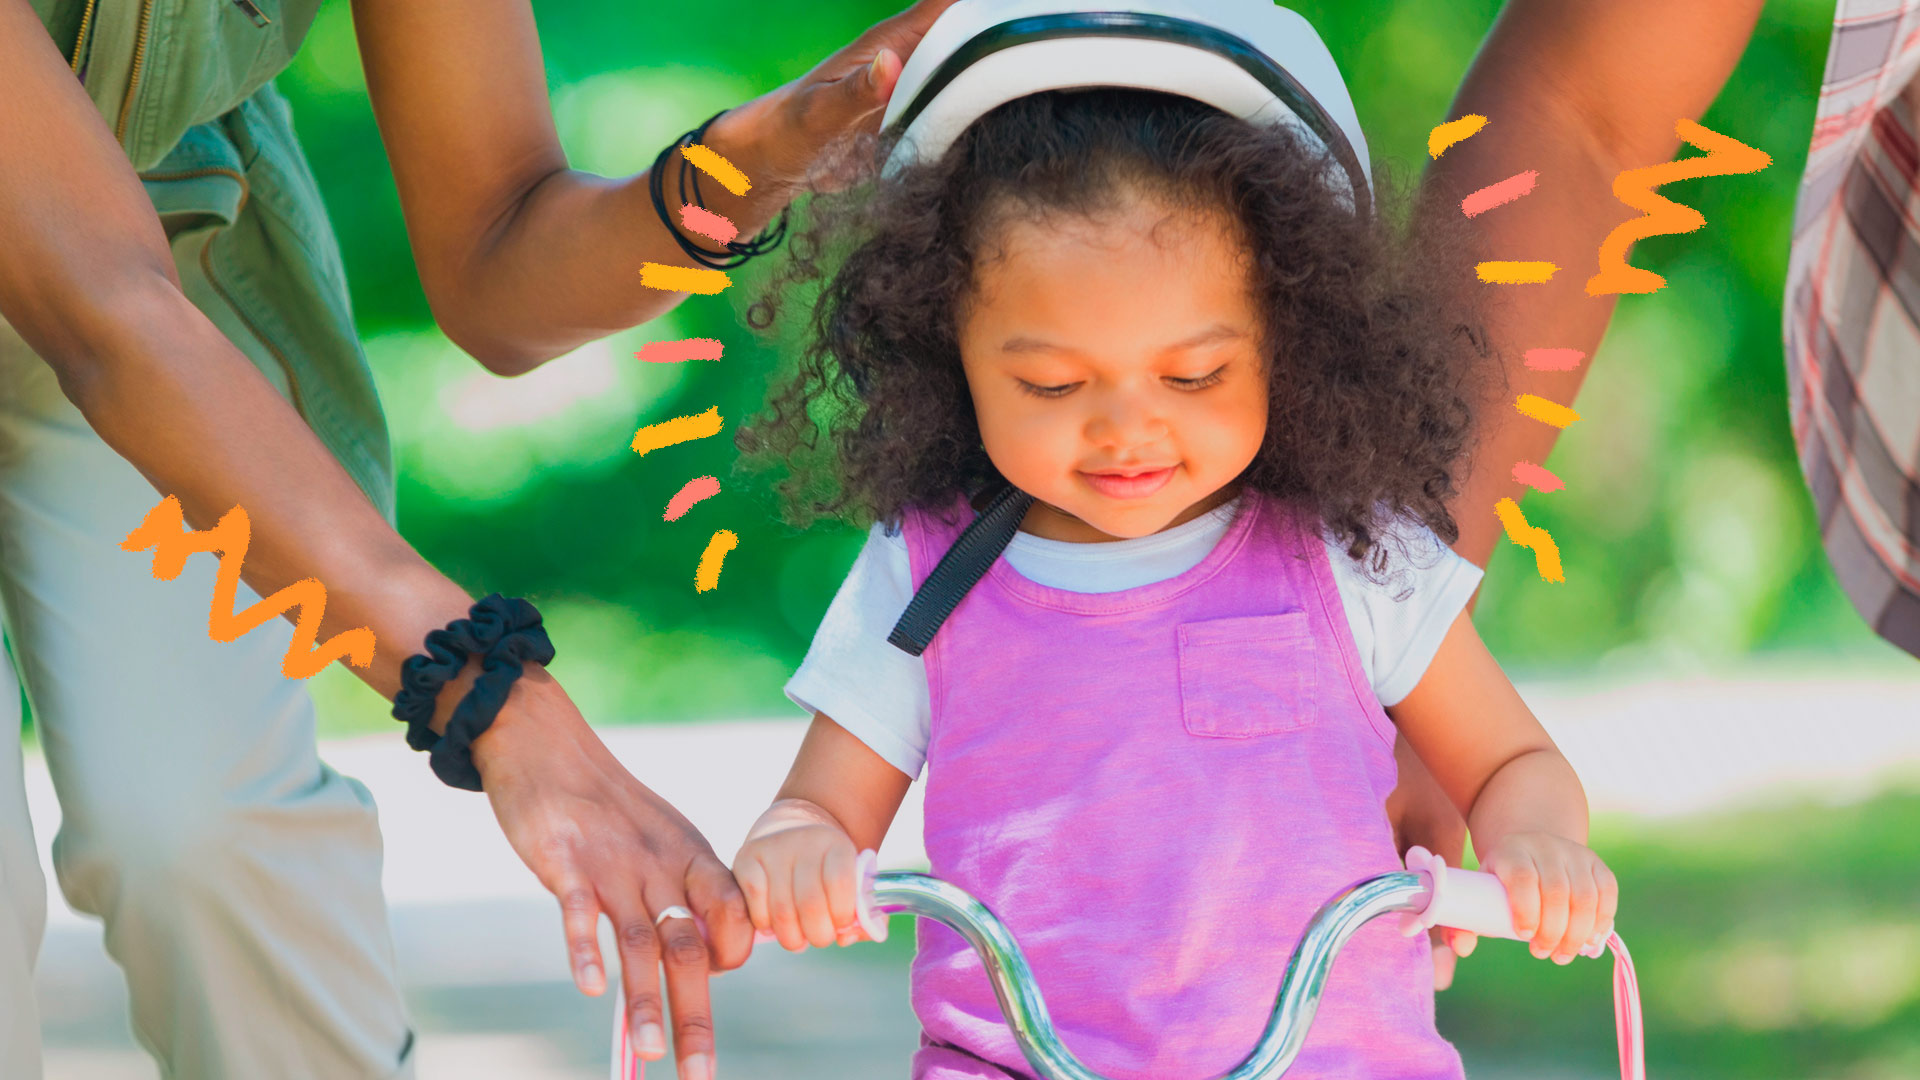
x,y
797,870
604,844
777,138
1563,896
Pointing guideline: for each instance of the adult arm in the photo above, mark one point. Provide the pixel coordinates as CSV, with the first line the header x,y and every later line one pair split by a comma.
x,y
524,258
1580,90
87,279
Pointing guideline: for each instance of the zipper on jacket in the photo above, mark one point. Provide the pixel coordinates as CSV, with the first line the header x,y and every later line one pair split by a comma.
x,y
139,58
80,43
253,12
211,170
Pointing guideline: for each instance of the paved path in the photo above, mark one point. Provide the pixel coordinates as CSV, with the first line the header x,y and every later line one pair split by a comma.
x,y
506,1010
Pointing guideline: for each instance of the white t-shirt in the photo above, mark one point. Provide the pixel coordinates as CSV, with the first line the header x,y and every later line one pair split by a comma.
x,y
879,693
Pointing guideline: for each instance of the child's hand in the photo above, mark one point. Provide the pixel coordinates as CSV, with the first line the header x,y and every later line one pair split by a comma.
x,y
1562,894
797,871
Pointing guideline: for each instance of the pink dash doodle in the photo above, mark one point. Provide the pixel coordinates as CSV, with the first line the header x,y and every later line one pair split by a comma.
x,y
1553,359
1535,477
1500,194
708,224
695,490
674,352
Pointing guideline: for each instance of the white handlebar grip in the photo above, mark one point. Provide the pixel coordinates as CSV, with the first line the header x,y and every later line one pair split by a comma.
x,y
866,868
1468,900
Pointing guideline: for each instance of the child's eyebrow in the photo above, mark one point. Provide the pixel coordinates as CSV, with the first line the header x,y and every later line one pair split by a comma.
x,y
1216,333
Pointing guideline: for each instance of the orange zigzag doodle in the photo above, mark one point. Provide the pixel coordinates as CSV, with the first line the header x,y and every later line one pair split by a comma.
x,y
163,532
1662,216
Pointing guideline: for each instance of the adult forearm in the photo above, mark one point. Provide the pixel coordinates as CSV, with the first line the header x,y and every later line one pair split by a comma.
x,y
1579,90
561,267
1420,810
165,389
1560,225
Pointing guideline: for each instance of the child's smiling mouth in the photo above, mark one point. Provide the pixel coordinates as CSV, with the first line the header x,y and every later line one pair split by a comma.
x,y
1128,483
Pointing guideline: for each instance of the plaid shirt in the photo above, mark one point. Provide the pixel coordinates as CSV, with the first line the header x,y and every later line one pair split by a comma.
x,y
1852,319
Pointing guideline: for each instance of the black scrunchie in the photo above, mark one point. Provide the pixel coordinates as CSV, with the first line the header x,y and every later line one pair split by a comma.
x,y
504,633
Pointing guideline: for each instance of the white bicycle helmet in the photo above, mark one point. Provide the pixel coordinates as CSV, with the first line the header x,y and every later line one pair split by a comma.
x,y
1247,58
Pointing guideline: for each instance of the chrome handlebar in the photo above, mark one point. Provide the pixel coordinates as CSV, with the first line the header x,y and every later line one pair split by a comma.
x,y
1432,894
1026,1011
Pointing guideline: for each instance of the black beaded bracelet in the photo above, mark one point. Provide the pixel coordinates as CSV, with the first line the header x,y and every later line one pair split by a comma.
x,y
504,633
738,252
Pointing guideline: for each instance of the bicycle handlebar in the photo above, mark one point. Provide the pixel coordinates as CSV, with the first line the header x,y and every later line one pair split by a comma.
x,y
1428,893
1026,1012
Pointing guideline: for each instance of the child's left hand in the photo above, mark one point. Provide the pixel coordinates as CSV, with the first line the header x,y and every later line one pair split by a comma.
x,y
1563,896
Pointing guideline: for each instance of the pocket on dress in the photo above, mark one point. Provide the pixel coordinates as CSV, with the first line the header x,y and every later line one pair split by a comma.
x,y
1247,676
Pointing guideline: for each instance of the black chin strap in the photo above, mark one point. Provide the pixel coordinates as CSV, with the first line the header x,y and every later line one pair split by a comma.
x,y
960,569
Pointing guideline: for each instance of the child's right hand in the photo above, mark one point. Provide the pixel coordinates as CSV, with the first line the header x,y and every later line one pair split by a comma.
x,y
1562,894
797,870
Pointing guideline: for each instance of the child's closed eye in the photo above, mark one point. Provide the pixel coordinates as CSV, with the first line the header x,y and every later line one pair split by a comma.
x,y
1198,382
1046,391
1209,379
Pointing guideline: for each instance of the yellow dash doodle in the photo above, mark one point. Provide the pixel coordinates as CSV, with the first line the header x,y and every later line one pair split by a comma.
x,y
677,430
1516,273
707,576
719,168
686,279
1454,131
1546,553
162,531
1534,407
1662,216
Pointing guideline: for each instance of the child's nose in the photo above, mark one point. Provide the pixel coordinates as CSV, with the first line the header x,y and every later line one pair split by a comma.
x,y
1124,424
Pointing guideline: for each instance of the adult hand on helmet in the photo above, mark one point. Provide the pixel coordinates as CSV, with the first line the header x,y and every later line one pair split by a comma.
x,y
778,137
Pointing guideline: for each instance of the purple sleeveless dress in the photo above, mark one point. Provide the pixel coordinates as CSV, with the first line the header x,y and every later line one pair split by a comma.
x,y
1155,789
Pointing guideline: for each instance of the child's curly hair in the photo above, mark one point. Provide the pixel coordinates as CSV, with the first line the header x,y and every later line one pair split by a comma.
x,y
1375,367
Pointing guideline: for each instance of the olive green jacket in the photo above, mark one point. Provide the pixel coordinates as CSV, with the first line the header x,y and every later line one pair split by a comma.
x,y
187,87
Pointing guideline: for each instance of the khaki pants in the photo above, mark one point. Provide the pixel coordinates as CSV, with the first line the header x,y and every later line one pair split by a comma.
x,y
238,876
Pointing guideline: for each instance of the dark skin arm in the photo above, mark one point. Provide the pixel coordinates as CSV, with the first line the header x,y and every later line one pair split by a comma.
x,y
1581,90
523,259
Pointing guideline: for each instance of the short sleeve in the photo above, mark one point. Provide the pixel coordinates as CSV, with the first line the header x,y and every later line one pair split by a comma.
x,y
851,673
1398,624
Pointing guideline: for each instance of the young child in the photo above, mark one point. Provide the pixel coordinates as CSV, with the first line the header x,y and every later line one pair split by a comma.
x,y
1153,732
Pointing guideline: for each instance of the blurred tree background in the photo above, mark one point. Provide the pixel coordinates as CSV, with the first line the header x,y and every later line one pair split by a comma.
x,y
1687,535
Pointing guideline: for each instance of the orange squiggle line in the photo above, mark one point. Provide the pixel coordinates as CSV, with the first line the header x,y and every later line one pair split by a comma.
x,y
1661,216
162,531
1546,553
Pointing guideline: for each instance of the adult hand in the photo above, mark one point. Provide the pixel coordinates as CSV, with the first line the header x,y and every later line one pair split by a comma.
x,y
778,136
602,843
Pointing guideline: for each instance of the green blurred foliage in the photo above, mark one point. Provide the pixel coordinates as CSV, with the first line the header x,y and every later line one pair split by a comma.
x,y
1687,535
1773,943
